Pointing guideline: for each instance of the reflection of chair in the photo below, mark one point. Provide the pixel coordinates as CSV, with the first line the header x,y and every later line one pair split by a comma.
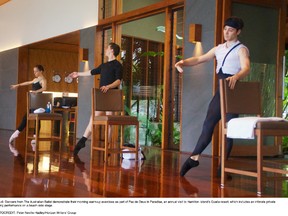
x,y
245,98
35,101
111,101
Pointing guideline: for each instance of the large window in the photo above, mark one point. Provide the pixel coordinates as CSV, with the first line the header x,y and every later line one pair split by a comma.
x,y
129,5
107,38
263,58
151,84
265,54
142,59
108,7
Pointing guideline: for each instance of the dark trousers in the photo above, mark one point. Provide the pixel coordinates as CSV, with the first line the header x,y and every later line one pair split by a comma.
x,y
212,118
23,123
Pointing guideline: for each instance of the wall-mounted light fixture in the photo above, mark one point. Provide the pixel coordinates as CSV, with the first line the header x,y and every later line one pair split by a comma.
x,y
195,33
83,52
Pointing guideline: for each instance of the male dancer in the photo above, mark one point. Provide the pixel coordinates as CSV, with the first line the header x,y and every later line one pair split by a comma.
x,y
233,63
110,78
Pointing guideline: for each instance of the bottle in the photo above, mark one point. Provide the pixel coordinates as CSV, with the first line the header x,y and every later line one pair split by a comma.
x,y
48,107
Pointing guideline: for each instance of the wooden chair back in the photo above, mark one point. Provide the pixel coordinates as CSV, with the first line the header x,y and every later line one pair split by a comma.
x,y
38,100
111,101
245,98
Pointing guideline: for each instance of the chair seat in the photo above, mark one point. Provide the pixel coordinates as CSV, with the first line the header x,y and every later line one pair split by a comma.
x,y
244,128
44,116
112,118
273,125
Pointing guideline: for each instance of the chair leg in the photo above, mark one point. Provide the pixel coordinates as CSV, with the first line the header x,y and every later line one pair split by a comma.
x,y
122,136
55,134
60,136
137,142
35,164
104,188
52,143
259,163
26,144
106,142
92,142
223,160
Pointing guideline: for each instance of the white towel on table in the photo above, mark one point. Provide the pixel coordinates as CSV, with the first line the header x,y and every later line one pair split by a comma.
x,y
243,127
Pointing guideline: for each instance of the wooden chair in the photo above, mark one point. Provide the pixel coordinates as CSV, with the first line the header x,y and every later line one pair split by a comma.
x,y
35,101
245,98
111,101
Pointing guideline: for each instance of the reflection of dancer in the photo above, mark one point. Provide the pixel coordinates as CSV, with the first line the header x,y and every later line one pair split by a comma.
x,y
39,84
16,177
43,182
81,165
20,162
188,188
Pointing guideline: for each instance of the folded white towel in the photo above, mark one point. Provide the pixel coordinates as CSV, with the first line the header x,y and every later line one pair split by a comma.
x,y
39,110
243,127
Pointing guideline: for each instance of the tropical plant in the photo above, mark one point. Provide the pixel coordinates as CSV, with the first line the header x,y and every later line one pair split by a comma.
x,y
285,104
153,129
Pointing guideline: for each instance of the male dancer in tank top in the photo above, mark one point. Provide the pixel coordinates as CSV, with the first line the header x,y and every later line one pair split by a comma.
x,y
110,78
235,66
39,84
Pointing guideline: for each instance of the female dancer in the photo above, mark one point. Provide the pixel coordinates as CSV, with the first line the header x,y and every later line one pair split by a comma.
x,y
39,84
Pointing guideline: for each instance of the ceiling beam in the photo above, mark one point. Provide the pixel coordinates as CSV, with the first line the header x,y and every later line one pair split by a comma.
x,y
3,2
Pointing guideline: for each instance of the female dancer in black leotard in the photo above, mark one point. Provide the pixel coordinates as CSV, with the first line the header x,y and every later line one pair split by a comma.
x,y
39,84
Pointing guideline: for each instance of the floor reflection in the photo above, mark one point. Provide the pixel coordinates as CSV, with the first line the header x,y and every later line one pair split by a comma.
x,y
53,176
60,174
116,178
190,189
85,174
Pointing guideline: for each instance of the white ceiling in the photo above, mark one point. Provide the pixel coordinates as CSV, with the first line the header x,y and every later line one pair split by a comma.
x,y
33,25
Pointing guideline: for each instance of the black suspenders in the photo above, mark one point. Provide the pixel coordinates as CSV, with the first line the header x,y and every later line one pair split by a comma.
x,y
228,53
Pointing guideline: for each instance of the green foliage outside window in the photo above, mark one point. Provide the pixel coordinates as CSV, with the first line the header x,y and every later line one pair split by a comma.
x,y
285,104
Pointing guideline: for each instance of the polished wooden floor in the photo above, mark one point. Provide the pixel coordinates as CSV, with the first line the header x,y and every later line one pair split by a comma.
x,y
62,175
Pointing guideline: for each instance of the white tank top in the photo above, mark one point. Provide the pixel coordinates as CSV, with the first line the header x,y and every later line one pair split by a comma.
x,y
232,62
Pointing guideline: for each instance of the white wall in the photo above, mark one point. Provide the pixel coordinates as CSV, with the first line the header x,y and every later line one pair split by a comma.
x,y
26,21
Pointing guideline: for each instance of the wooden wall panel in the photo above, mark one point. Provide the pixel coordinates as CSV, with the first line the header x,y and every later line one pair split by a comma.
x,y
55,62
22,94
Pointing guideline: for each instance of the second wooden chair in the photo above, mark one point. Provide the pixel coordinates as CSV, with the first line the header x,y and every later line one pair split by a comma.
x,y
111,101
36,101
245,98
